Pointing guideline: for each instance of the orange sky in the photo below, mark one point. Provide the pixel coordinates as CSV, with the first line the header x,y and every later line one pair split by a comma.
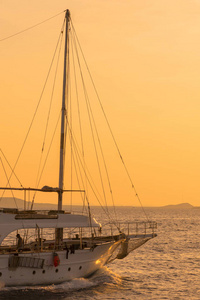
x,y
145,60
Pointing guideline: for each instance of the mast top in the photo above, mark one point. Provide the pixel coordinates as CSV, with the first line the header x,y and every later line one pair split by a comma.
x,y
67,15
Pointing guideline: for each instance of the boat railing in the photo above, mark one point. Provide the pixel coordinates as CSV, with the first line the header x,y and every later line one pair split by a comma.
x,y
82,236
131,229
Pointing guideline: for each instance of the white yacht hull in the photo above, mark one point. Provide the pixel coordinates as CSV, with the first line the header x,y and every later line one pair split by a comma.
x,y
80,264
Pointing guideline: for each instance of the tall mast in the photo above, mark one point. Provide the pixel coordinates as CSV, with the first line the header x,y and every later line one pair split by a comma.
x,y
63,116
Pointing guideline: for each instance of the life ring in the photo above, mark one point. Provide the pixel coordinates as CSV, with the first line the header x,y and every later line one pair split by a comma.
x,y
56,260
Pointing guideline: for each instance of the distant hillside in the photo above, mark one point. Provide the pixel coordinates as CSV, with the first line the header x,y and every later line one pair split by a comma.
x,y
8,202
179,206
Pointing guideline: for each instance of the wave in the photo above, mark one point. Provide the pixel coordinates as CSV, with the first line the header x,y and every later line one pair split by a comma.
x,y
74,288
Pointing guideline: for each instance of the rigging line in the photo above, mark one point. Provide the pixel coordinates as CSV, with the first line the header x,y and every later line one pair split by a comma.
x,y
71,149
89,109
80,174
11,168
88,177
29,28
66,100
11,191
102,154
95,147
46,157
78,155
104,161
74,162
99,142
81,134
91,127
8,183
53,88
77,97
26,137
50,105
76,172
78,106
90,184
90,219
77,151
127,172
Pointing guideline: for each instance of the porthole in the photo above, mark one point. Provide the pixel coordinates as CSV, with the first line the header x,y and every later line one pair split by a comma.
x,y
56,270
80,267
43,271
34,272
69,269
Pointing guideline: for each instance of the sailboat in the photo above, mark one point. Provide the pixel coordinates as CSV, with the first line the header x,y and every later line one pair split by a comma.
x,y
79,246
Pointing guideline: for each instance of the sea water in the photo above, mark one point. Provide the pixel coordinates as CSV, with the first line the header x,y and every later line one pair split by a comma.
x,y
166,267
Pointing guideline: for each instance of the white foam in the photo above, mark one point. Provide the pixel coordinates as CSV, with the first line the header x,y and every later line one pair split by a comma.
x,y
74,284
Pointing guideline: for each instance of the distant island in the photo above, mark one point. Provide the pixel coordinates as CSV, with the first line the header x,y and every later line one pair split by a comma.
x,y
9,202
179,206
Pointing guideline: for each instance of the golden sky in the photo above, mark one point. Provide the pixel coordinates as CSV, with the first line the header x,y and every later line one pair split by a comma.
x,y
145,60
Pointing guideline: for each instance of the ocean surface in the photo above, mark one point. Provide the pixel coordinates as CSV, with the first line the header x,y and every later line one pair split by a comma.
x,y
166,267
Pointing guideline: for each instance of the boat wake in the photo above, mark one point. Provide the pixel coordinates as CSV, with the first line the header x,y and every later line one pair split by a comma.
x,y
75,288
